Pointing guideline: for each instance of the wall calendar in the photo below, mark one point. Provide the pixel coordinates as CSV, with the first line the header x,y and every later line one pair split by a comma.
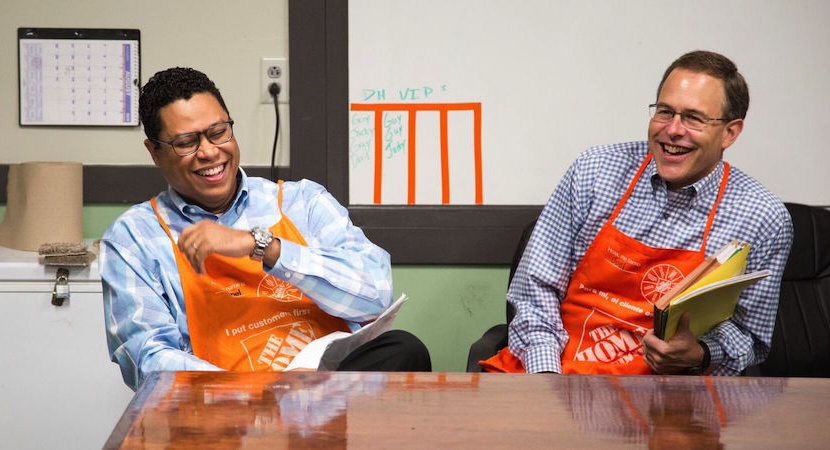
x,y
78,76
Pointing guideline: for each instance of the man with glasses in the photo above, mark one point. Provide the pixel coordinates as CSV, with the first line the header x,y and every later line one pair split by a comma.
x,y
226,271
629,220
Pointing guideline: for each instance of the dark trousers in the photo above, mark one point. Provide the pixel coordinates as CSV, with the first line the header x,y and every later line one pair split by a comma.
x,y
393,351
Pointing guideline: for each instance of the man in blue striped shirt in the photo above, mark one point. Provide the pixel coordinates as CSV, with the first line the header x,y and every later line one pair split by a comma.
x,y
226,271
632,218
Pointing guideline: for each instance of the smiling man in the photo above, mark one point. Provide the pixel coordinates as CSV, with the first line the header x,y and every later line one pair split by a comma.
x,y
626,215
228,272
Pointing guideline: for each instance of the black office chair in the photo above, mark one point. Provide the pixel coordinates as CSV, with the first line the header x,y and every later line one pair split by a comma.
x,y
801,340
495,338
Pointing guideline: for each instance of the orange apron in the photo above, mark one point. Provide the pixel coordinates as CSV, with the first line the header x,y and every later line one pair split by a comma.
x,y
241,318
610,300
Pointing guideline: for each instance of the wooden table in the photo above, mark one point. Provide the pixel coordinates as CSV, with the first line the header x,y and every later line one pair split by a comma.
x,y
207,410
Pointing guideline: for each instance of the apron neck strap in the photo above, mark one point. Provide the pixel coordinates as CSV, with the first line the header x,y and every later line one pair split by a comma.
x,y
709,221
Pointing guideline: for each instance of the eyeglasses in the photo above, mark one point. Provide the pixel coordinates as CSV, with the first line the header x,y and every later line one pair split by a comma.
x,y
691,120
188,143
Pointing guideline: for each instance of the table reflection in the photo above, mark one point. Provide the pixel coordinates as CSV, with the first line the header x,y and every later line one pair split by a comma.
x,y
337,410
667,412
195,410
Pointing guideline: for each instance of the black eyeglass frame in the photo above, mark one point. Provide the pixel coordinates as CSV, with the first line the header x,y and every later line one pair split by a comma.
x,y
199,135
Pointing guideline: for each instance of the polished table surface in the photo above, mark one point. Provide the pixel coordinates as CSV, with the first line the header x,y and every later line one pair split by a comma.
x,y
207,410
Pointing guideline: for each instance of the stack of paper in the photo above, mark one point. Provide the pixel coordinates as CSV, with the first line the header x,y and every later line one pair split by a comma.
x,y
327,352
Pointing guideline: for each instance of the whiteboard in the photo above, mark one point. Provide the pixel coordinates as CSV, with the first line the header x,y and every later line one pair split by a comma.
x,y
553,78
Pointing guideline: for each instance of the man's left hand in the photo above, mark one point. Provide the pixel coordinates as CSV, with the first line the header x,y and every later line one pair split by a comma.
x,y
676,355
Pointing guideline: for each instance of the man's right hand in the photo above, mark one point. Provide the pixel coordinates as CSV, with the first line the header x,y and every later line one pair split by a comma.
x,y
203,238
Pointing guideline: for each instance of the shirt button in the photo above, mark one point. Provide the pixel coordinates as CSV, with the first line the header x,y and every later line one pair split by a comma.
x,y
287,274
665,215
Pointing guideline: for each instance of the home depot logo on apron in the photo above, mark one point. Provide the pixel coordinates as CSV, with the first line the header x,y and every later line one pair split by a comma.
x,y
609,304
241,318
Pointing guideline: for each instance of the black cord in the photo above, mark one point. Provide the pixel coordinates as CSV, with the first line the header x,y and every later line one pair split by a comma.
x,y
274,90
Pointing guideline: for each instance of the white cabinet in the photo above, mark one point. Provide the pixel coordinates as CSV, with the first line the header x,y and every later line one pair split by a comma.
x,y
58,388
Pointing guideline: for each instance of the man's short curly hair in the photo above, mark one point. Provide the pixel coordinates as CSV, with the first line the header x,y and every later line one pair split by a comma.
x,y
167,86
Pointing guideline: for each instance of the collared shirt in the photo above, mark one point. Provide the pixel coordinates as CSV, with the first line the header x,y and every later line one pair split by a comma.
x,y
144,308
657,217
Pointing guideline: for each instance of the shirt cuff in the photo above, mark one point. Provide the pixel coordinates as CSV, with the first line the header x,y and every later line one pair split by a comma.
x,y
542,358
289,264
715,354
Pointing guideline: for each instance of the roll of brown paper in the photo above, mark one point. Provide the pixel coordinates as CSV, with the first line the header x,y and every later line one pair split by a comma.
x,y
44,204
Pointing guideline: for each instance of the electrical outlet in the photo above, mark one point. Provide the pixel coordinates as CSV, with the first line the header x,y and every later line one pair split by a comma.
x,y
273,70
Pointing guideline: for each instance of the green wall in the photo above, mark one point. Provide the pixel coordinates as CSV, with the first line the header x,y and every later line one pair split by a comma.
x,y
449,307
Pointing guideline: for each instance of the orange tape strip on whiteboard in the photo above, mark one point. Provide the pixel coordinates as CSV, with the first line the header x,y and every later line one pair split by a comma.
x,y
378,154
410,191
445,159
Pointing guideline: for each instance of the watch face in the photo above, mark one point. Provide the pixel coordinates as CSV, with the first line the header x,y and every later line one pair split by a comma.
x,y
260,234
262,237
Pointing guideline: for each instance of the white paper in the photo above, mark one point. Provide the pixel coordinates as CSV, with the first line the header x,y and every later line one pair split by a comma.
x,y
327,352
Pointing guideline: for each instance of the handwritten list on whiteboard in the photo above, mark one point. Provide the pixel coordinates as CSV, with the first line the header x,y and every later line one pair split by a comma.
x,y
73,79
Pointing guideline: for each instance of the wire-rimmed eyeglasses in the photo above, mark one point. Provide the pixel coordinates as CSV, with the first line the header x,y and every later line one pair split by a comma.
x,y
691,120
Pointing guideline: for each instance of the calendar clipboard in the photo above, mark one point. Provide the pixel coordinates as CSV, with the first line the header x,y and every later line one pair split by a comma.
x,y
78,76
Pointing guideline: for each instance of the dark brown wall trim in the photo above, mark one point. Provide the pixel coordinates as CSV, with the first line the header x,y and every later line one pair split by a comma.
x,y
446,234
126,184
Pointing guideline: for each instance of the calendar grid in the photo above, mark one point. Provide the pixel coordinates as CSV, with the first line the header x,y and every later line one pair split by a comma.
x,y
78,77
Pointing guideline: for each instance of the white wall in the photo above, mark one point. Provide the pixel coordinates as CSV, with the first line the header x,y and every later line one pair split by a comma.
x,y
223,39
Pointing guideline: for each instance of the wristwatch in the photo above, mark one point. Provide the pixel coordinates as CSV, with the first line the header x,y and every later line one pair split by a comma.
x,y
262,238
704,364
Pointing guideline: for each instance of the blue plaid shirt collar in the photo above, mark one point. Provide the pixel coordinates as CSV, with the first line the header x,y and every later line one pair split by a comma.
x,y
700,191
196,213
